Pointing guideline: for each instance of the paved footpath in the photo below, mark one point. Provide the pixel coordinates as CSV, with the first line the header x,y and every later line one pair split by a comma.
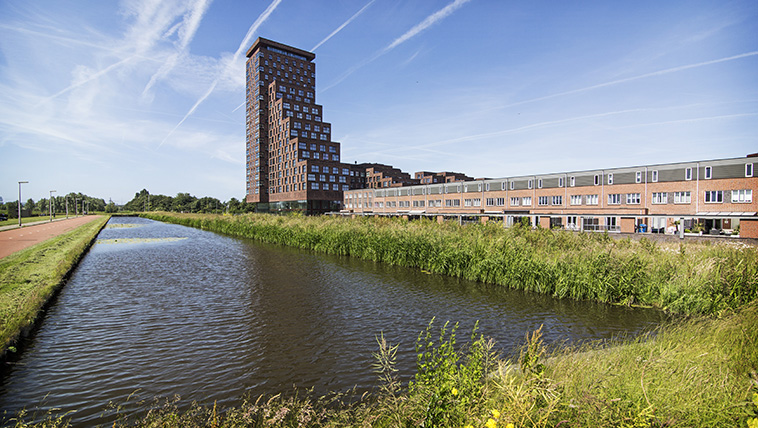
x,y
19,238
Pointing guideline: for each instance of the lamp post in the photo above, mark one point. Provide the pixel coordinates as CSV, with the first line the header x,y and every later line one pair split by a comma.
x,y
51,204
66,207
19,201
76,207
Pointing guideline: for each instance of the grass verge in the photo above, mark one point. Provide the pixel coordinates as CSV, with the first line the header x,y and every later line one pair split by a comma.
x,y
686,278
29,277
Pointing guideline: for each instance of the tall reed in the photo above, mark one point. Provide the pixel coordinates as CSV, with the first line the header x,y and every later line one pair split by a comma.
x,y
681,278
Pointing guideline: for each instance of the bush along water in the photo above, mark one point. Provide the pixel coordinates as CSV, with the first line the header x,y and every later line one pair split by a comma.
x,y
681,278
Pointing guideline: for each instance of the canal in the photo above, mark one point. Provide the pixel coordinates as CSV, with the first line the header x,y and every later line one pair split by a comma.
x,y
156,310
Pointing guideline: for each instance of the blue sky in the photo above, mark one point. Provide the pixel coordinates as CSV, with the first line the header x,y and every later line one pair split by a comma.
x,y
107,98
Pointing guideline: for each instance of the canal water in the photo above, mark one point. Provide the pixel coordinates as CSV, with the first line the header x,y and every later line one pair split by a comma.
x,y
156,310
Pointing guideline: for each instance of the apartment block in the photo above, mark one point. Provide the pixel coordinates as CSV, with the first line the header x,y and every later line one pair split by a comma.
x,y
711,197
292,163
427,177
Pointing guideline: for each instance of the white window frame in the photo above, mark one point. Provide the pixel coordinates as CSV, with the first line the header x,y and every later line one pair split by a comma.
x,y
748,170
576,199
654,176
683,197
688,174
526,201
614,199
710,194
638,177
742,196
610,178
708,174
597,180
572,181
592,199
633,198
659,198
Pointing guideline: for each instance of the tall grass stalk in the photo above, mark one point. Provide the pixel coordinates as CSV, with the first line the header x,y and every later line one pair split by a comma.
x,y
681,278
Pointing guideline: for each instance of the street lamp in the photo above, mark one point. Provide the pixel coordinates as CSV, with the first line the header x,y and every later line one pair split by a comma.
x,y
66,207
51,204
19,201
76,207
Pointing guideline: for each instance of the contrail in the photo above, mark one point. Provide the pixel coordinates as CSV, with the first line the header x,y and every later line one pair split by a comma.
x,y
246,41
418,28
344,24
630,79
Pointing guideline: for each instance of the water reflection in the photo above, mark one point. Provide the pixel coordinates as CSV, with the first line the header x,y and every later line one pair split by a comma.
x,y
211,318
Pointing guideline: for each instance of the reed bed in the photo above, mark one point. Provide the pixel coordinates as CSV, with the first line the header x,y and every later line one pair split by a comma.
x,y
686,278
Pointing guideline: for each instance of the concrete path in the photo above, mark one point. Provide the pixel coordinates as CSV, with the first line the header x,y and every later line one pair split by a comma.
x,y
33,233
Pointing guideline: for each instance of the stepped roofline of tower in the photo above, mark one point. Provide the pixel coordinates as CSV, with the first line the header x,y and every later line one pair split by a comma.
x,y
260,41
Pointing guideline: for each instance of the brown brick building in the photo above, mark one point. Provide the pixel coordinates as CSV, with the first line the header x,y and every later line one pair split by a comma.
x,y
712,197
292,163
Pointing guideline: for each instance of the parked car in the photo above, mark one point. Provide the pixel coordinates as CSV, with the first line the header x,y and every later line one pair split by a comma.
x,y
3,217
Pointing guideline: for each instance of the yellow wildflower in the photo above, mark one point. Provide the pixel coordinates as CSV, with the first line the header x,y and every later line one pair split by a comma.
x,y
455,391
468,426
752,423
510,426
495,413
492,424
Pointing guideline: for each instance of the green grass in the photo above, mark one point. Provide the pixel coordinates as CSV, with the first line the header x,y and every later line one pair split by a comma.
x,y
687,278
29,277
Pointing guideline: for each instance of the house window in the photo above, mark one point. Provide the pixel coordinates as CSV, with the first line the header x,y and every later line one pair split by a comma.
x,y
571,222
708,172
688,174
597,180
714,196
682,197
542,200
576,199
742,196
660,197
748,170
530,184
592,199
572,181
502,185
526,201
632,198
610,178
654,176
560,181
515,202
638,177
539,183
557,200
500,202
513,184
614,199
486,187
490,202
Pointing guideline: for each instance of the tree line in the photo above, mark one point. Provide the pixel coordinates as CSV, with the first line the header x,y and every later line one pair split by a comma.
x,y
42,207
184,202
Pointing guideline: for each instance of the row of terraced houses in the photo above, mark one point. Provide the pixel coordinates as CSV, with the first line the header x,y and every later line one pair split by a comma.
x,y
293,165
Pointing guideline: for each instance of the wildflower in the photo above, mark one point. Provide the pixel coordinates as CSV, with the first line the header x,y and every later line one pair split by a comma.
x,y
752,423
510,425
495,413
455,391
468,426
492,424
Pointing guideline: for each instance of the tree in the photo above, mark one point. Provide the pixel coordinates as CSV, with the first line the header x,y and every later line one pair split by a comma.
x,y
28,208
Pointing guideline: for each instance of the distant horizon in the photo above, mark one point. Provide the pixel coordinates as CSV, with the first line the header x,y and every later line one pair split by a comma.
x,y
111,98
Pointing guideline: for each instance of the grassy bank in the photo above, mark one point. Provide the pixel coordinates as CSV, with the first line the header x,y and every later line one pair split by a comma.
x,y
29,277
688,278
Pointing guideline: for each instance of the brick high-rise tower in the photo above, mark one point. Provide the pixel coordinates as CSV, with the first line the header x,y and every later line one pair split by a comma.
x,y
292,163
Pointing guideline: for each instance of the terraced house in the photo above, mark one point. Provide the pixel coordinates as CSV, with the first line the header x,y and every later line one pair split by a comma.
x,y
711,197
